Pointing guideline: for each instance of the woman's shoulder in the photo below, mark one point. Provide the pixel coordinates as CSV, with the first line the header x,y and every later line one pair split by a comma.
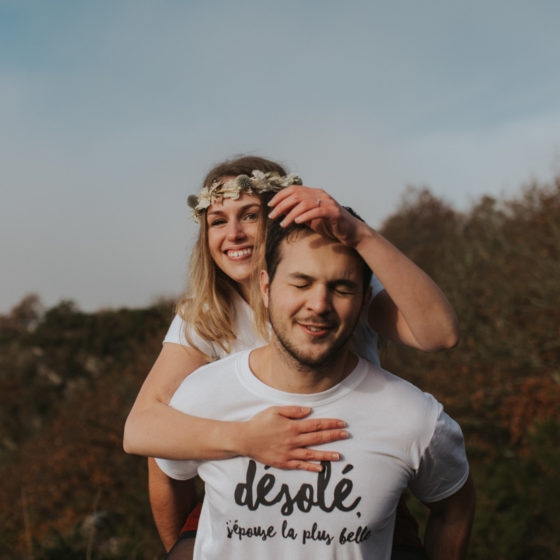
x,y
246,337
177,334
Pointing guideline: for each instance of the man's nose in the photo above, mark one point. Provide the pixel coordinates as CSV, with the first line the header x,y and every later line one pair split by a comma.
x,y
319,300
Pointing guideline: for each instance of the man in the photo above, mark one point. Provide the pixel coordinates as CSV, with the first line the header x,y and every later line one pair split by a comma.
x,y
315,290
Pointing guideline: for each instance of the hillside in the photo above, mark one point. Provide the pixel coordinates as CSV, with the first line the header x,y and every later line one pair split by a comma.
x,y
68,379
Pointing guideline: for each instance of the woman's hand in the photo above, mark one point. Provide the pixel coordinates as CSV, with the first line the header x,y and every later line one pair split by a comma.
x,y
277,437
320,211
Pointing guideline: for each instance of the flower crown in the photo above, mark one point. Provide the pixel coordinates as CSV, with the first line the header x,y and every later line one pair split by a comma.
x,y
258,183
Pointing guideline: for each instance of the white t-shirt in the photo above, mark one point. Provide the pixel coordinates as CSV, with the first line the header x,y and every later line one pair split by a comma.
x,y
399,437
363,343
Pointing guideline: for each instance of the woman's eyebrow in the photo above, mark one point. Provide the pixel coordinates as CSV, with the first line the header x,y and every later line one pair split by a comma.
x,y
255,205
243,208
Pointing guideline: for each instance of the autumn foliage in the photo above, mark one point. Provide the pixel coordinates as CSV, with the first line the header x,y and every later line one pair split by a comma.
x,y
68,379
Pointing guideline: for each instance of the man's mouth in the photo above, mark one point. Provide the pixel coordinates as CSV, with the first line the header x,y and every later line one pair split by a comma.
x,y
315,329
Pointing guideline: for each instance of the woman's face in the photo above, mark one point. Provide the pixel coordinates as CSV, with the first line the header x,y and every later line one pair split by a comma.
x,y
232,228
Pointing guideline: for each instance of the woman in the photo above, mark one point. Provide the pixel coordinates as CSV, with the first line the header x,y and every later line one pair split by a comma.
x,y
215,318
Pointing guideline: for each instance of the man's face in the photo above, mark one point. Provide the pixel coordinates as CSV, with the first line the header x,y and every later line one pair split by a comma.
x,y
315,298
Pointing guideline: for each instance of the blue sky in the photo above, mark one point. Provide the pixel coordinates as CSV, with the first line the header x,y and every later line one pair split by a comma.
x,y
111,113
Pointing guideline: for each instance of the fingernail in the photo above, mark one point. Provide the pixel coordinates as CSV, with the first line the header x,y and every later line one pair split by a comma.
x,y
344,435
335,457
341,424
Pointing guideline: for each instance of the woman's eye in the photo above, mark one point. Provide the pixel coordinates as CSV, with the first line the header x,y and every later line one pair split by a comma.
x,y
300,286
217,222
251,217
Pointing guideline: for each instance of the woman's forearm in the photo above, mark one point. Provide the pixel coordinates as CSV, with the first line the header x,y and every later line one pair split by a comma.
x,y
161,431
154,429
422,316
279,436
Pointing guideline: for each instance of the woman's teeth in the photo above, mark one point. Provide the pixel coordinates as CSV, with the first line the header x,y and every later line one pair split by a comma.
x,y
239,253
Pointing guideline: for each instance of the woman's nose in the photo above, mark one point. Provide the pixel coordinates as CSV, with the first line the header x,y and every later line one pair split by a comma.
x,y
235,231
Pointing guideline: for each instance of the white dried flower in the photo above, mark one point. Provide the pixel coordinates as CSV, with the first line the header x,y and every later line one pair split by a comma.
x,y
258,183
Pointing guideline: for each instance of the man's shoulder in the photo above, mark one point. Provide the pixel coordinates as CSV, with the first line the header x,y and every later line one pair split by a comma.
x,y
382,379
398,397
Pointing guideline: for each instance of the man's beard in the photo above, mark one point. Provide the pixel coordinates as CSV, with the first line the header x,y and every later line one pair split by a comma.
x,y
330,354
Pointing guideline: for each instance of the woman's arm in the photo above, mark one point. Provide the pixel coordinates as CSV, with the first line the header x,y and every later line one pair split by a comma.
x,y
153,428
411,309
273,437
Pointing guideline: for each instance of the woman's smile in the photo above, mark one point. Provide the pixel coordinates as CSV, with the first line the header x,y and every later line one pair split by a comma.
x,y
240,254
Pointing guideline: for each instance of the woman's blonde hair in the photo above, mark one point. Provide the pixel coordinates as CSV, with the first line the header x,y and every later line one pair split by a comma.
x,y
206,306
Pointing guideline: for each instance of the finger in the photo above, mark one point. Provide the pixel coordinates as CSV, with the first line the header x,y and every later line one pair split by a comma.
x,y
286,199
314,455
283,201
293,411
303,466
318,438
287,192
289,204
312,208
308,215
319,424
307,211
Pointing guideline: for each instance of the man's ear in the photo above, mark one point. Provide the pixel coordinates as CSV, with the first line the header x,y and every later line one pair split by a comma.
x,y
264,282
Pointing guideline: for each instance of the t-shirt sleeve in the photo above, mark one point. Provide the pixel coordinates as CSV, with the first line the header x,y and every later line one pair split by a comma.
x,y
176,335
376,286
364,338
178,470
443,467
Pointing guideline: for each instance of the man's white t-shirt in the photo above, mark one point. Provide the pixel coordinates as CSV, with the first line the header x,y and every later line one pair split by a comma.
x,y
363,342
399,437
